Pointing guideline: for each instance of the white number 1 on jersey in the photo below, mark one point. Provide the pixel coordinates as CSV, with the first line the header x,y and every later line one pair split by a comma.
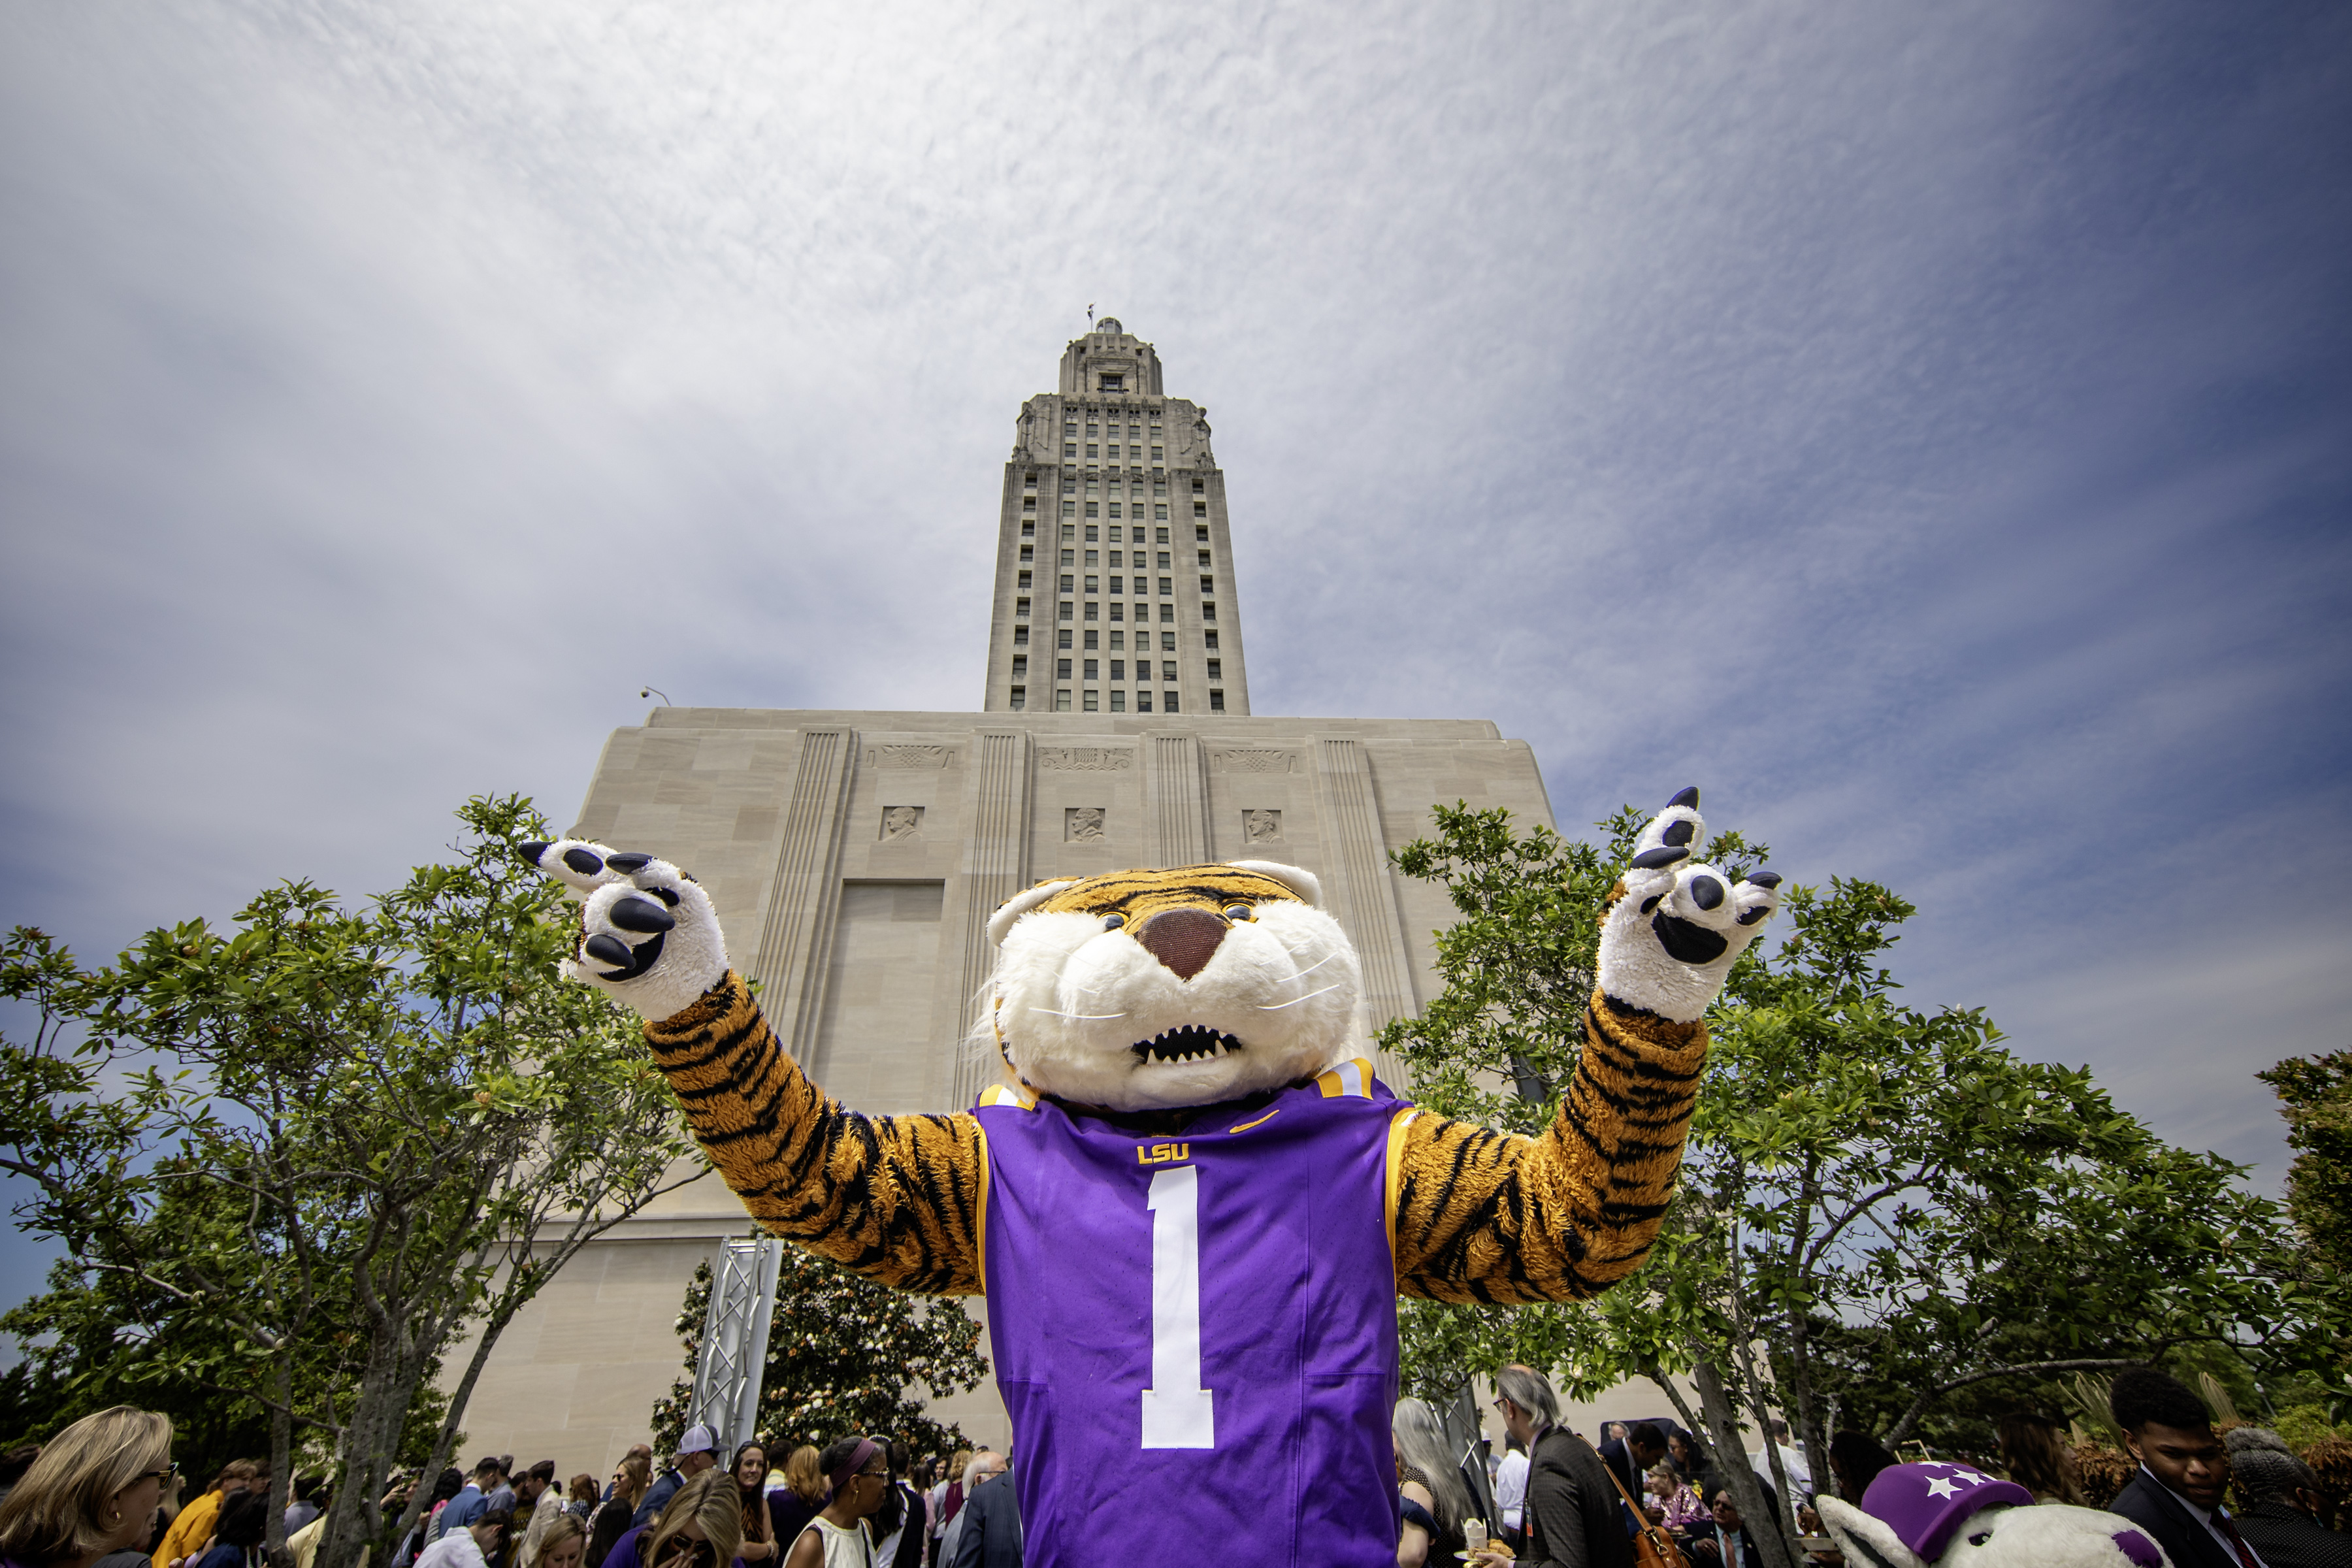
x,y
1177,1411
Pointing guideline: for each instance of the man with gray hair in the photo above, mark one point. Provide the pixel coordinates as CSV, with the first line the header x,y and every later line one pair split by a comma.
x,y
2280,1518
1571,1507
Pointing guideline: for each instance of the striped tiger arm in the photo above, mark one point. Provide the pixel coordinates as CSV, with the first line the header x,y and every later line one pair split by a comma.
x,y
898,1198
1482,1216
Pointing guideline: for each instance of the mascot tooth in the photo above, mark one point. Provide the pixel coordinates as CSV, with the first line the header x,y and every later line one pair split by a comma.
x,y
1189,1205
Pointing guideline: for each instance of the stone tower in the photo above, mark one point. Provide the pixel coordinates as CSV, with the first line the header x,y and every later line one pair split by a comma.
x,y
1114,565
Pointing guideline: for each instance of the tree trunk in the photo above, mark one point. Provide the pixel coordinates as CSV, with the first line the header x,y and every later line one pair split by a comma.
x,y
1731,1464
1810,1436
1692,1424
1784,1512
387,1388
282,1456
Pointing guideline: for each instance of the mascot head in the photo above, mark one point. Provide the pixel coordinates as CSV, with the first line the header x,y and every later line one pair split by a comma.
x,y
1955,1516
1145,990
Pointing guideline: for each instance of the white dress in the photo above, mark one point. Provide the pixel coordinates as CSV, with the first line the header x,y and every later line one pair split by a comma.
x,y
843,1548
458,1549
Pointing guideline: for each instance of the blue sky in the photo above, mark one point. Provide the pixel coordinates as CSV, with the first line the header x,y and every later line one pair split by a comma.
x,y
1927,427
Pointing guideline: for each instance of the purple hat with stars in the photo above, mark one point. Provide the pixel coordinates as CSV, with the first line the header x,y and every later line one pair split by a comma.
x,y
1924,1504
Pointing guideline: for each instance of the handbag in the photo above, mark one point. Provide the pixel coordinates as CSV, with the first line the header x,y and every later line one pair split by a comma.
x,y
1652,1547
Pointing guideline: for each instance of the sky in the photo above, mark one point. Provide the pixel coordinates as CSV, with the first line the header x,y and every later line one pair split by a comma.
x,y
1927,428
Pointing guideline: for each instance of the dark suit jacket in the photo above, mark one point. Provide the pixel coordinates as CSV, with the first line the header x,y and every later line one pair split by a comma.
x,y
2167,1520
1619,1457
2286,1539
1573,1511
992,1527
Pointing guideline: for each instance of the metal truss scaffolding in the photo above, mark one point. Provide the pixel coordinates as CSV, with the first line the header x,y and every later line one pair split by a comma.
x,y
735,1339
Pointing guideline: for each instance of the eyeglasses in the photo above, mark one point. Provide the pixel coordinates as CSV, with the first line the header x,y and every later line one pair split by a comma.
x,y
163,1475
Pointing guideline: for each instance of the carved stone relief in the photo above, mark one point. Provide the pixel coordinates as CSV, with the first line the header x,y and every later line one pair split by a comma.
x,y
1262,827
1082,823
1086,758
901,821
1254,762
908,756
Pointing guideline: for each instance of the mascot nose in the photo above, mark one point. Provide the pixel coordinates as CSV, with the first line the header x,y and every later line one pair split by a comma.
x,y
1183,939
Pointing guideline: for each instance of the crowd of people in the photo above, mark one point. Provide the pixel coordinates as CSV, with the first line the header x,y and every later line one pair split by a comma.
x,y
104,1493
1562,1499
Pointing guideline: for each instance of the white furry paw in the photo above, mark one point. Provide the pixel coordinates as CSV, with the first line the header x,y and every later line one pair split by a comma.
x,y
1667,945
648,933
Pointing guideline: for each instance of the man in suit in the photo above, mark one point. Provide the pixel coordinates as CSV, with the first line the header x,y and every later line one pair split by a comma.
x,y
1629,1458
2183,1469
1572,1510
988,1526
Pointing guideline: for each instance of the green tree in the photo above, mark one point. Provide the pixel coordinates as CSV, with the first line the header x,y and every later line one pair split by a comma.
x,y
324,1142
843,1353
1874,1196
2315,1097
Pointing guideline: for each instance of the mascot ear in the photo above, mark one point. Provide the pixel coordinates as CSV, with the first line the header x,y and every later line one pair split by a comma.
x,y
1867,1541
1302,883
1020,904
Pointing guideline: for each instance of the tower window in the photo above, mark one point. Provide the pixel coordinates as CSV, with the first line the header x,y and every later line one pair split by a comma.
x,y
1062,669
1208,611
1118,639
1163,561
1093,640
1201,532
1209,639
1118,669
1119,701
1093,698
1062,641
1167,615
1137,535
1199,485
1069,448
1024,580
1159,535
1020,666
1167,641
1067,581
1069,557
1113,381
1021,637
1216,701
1208,585
1093,509
1168,702
1216,670
1157,452
1117,610
1113,509
1066,615
1200,508
1021,609
1094,670
1160,508
1020,698
1143,702
1028,503
1094,531
1167,586
1069,509
1070,426
1092,428
1204,560
1094,611
1092,449
1028,528
1168,670
1062,700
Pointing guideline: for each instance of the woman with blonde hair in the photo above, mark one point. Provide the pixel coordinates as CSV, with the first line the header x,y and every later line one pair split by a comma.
x,y
632,1477
565,1542
701,1528
94,1490
1429,1481
2039,1459
792,1506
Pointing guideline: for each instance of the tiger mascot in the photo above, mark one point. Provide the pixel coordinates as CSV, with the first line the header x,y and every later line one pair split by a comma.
x,y
1190,1204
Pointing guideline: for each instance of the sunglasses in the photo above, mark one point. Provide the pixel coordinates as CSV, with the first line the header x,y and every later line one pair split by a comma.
x,y
163,1475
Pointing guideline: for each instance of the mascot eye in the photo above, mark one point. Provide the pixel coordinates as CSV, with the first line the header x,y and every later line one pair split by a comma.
x,y
1113,922
1240,912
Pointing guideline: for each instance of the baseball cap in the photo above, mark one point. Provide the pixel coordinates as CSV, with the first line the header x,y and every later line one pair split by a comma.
x,y
699,1439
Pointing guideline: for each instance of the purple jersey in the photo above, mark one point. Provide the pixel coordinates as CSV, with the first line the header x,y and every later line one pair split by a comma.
x,y
1196,1335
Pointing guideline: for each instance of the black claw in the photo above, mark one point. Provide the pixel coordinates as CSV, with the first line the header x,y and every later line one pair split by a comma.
x,y
1765,879
640,915
1705,891
582,861
1684,797
1652,903
1752,916
666,895
1685,943
610,949
631,863
532,851
1664,855
1677,832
